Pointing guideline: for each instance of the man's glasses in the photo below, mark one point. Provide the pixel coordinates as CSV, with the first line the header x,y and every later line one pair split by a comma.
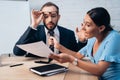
x,y
53,14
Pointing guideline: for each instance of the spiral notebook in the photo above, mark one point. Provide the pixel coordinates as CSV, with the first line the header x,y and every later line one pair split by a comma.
x,y
49,69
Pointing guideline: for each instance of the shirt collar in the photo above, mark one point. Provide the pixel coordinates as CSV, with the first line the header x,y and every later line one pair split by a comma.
x,y
55,30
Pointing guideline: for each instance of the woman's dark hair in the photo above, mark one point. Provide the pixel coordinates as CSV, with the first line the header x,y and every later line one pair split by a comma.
x,y
50,4
100,16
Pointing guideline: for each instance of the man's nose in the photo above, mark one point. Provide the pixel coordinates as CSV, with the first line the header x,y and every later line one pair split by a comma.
x,y
50,18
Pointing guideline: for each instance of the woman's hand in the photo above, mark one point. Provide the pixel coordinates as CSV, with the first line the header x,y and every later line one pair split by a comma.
x,y
62,58
81,34
36,17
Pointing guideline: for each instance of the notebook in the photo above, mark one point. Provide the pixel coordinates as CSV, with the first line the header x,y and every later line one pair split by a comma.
x,y
49,69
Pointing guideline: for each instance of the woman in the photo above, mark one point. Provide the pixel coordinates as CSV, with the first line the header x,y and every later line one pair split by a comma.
x,y
102,47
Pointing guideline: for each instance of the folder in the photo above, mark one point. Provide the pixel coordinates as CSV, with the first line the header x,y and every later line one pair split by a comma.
x,y
49,69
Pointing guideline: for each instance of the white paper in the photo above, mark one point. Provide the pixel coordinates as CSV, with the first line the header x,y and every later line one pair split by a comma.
x,y
36,48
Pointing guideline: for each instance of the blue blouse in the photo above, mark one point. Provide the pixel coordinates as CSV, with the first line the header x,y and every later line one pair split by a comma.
x,y
109,50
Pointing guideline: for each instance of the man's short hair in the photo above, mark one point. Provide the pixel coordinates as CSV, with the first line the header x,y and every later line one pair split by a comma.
x,y
50,4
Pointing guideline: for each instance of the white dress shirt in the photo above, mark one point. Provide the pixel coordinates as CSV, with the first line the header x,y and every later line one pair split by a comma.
x,y
56,35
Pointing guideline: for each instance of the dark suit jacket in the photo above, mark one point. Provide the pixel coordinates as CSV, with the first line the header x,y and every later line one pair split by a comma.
x,y
67,39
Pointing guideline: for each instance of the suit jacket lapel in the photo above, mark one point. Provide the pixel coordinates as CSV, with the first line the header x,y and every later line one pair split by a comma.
x,y
42,34
61,32
63,38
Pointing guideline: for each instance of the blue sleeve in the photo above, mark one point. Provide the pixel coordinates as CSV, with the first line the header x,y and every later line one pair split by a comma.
x,y
83,51
86,51
111,51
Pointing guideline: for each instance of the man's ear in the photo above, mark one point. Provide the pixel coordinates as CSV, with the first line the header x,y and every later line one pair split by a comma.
x,y
101,28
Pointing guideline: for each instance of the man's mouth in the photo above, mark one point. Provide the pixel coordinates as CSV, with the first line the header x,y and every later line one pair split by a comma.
x,y
50,24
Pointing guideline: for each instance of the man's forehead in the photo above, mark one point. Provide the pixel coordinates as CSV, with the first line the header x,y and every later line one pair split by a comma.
x,y
49,9
52,12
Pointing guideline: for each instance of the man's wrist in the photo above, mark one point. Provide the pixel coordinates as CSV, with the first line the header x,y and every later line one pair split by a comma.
x,y
33,27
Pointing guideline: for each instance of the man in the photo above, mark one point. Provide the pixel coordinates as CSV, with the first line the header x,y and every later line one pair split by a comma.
x,y
49,15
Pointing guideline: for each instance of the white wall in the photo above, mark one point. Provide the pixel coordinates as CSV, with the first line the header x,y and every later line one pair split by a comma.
x,y
15,16
14,19
73,11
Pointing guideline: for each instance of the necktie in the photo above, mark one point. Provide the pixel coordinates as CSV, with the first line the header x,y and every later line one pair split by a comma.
x,y
51,33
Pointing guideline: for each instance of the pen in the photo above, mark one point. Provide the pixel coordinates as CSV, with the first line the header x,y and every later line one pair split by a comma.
x,y
16,65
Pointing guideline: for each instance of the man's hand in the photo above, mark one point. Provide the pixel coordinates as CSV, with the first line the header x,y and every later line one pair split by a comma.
x,y
36,17
53,41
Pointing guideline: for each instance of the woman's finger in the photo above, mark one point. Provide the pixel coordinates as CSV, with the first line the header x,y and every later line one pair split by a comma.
x,y
77,30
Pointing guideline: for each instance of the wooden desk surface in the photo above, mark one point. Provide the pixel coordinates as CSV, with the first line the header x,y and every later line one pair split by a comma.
x,y
23,73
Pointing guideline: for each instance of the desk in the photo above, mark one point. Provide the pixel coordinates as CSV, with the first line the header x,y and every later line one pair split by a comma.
x,y
23,73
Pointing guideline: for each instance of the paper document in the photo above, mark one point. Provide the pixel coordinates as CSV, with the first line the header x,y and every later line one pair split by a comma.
x,y
36,48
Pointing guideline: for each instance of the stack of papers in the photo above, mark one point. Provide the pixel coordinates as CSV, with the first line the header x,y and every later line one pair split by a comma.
x,y
36,48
